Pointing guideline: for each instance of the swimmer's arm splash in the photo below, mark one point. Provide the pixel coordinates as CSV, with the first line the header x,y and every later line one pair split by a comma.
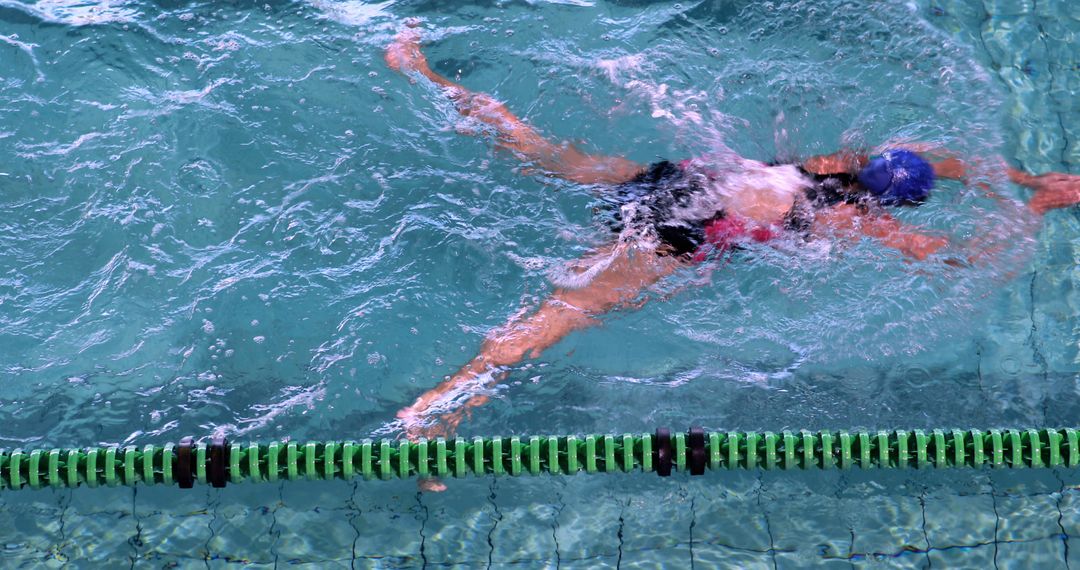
x,y
511,133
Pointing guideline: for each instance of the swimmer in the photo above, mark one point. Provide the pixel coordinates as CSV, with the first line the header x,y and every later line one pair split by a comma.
x,y
668,216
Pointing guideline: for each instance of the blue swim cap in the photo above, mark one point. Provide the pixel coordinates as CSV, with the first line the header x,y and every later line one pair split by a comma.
x,y
898,177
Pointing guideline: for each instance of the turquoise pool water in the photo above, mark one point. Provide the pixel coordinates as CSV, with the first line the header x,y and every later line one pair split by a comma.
x,y
237,220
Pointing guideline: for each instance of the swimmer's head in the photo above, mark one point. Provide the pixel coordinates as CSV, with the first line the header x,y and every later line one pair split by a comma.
x,y
898,178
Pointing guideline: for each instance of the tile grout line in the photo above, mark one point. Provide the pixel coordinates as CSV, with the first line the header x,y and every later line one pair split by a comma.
x,y
693,523
496,518
555,530
1061,515
926,535
275,534
353,522
619,533
136,540
765,515
423,526
211,505
997,521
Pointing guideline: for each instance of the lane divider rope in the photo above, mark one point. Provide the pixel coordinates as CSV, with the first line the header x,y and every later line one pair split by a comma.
x,y
218,462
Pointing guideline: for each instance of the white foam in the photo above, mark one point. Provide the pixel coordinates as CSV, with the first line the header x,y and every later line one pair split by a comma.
x,y
741,186
579,273
353,12
77,12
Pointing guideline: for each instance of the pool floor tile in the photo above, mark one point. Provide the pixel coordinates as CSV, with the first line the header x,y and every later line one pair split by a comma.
x,y
1026,518
599,563
182,535
809,559
963,557
1046,553
885,526
959,520
453,530
1074,552
712,556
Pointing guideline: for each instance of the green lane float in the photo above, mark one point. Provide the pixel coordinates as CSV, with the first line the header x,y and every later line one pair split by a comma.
x,y
217,462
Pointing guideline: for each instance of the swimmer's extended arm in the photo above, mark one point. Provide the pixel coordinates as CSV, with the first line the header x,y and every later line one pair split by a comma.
x,y
438,411
950,165
846,219
561,159
1052,191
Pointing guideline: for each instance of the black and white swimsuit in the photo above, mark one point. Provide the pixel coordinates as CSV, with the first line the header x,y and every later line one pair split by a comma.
x,y
653,201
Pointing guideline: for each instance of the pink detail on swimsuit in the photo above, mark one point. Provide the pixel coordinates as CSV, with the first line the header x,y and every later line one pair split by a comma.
x,y
722,233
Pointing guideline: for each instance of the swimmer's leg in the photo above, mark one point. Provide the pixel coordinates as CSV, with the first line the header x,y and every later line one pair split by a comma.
x,y
438,411
563,160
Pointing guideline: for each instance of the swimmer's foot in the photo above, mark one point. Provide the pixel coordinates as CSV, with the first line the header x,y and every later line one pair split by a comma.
x,y
404,53
1053,191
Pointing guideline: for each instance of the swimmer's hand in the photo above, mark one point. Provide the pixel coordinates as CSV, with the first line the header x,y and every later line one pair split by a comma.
x,y
417,424
404,54
422,425
431,485
422,419
1052,190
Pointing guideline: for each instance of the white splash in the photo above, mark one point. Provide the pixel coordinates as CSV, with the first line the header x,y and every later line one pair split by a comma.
x,y
77,12
353,12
